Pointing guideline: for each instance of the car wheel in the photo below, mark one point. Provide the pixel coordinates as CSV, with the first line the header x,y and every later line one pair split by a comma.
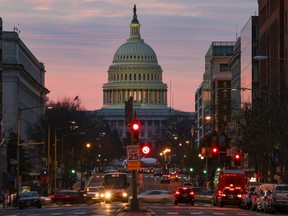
x,y
39,205
221,204
192,203
175,202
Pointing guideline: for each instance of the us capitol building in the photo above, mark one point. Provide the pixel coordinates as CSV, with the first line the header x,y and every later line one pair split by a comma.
x,y
135,72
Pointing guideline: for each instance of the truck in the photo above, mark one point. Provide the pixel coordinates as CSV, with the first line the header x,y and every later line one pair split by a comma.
x,y
229,186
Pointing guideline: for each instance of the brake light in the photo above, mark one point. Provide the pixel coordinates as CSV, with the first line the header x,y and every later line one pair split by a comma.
x,y
239,195
184,188
177,192
219,193
191,193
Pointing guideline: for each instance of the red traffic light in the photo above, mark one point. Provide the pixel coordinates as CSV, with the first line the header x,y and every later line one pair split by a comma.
x,y
145,150
214,150
135,126
237,156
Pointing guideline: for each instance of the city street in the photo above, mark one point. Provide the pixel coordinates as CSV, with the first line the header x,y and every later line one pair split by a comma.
x,y
155,209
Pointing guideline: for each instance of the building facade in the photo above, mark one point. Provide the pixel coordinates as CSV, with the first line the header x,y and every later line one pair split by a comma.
x,y
23,90
273,45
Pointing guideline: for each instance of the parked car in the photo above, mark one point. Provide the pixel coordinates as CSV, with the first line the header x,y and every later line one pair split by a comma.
x,y
247,198
29,199
67,196
230,196
94,194
256,194
262,200
278,199
157,196
165,179
184,195
202,194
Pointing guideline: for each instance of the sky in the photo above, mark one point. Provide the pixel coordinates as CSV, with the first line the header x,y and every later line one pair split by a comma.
x,y
77,39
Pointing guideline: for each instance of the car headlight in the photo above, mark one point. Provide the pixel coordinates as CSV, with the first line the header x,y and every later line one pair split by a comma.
x,y
97,195
124,194
107,195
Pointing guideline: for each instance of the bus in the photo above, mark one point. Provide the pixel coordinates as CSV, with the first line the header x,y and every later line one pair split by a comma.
x,y
228,180
116,187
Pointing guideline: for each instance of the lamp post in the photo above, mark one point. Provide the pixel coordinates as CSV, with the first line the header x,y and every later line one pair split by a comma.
x,y
165,151
55,152
18,177
88,145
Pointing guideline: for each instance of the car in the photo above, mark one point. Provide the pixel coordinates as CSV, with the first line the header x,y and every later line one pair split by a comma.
x,y
29,199
262,200
230,196
257,192
173,176
158,172
67,196
247,198
157,196
278,199
187,184
165,179
94,194
184,195
202,194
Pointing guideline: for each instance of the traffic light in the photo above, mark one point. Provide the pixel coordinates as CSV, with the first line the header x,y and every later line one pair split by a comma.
x,y
73,171
145,150
135,127
237,159
214,151
191,169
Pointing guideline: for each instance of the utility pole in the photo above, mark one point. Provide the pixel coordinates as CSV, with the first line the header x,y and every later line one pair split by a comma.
x,y
134,203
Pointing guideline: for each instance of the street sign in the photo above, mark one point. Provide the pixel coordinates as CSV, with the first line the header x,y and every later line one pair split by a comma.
x,y
133,153
133,165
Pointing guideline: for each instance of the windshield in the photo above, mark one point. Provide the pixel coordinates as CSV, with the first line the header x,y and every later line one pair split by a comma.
x,y
115,181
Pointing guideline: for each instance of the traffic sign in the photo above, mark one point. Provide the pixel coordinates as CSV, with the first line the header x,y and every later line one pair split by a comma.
x,y
133,153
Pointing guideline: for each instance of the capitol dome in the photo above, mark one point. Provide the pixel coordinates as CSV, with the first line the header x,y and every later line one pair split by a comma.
x,y
135,72
135,51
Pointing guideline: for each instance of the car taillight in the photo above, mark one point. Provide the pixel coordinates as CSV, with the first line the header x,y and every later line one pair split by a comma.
x,y
51,196
219,193
177,192
191,193
239,195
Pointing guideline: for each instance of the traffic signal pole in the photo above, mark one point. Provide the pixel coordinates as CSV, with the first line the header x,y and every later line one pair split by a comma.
x,y
134,202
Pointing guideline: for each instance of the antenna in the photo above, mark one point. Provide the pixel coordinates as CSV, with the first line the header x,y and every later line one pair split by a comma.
x,y
236,32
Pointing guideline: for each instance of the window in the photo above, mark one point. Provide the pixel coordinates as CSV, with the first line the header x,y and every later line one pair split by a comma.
x,y
224,67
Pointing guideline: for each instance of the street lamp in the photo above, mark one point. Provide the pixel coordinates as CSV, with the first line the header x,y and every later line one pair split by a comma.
x,y
55,151
88,145
165,151
19,111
